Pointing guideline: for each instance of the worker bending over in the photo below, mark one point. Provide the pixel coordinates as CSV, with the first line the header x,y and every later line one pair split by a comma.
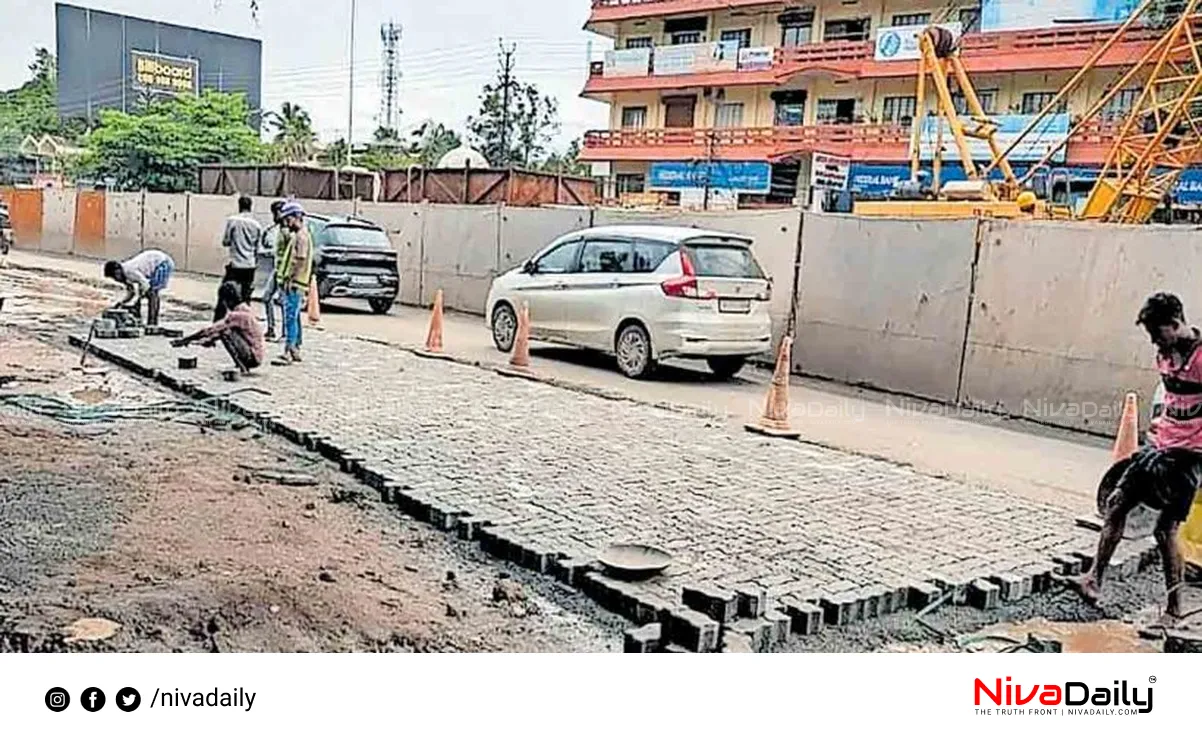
x,y
238,331
144,275
1165,474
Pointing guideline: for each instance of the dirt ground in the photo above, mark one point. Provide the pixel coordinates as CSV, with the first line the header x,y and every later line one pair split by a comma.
x,y
183,535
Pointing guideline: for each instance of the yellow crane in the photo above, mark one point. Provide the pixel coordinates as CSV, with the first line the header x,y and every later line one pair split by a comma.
x,y
1155,141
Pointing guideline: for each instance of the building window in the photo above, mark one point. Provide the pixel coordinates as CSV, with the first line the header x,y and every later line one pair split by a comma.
x,y
835,110
1121,104
899,109
630,182
741,36
912,19
988,99
686,30
847,29
634,117
728,116
796,28
686,37
1033,103
638,42
970,19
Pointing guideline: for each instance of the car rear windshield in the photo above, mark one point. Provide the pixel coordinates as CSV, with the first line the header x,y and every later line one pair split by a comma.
x,y
346,236
724,260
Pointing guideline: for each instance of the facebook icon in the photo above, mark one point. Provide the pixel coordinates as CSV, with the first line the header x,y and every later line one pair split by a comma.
x,y
92,699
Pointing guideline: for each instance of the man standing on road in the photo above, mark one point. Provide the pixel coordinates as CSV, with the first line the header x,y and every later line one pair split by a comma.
x,y
242,236
238,331
146,274
293,269
271,247
1165,474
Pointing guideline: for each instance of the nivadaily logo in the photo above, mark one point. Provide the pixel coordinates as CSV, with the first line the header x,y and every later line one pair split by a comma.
x,y
1068,698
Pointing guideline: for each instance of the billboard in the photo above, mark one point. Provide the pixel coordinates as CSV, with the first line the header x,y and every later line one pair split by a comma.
x,y
1033,147
829,171
751,176
1010,15
162,74
108,60
901,42
682,59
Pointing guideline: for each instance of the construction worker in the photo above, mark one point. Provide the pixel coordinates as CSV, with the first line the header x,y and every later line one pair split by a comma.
x,y
1166,473
1026,202
241,237
293,270
238,331
271,247
145,274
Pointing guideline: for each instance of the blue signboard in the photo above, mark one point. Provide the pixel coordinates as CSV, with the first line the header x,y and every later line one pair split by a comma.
x,y
1049,133
880,179
1009,15
750,176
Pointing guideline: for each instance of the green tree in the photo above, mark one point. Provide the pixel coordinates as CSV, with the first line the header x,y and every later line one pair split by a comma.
x,y
295,139
519,135
160,147
334,154
30,108
431,141
567,161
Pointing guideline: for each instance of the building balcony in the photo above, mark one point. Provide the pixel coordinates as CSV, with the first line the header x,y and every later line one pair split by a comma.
x,y
860,142
998,52
612,11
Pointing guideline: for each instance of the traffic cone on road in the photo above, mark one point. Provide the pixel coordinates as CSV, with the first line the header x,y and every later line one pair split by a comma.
x,y
519,362
314,304
433,345
775,420
1126,442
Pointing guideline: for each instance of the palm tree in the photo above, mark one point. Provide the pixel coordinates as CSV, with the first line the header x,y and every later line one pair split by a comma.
x,y
294,135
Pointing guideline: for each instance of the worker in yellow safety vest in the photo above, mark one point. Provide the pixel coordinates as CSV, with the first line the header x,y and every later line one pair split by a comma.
x,y
293,270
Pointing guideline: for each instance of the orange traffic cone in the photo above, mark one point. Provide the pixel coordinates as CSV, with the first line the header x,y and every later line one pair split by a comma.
x,y
775,420
1127,441
434,334
519,362
314,304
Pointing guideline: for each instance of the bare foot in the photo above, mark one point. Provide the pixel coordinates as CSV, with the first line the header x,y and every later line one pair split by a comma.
x,y
1088,588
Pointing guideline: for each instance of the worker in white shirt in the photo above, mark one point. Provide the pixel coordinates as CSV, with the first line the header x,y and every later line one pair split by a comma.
x,y
144,275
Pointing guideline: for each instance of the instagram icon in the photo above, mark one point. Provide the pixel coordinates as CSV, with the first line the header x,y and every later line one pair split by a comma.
x,y
57,699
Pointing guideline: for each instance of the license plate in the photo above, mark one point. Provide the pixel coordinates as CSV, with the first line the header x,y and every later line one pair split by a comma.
x,y
734,305
363,280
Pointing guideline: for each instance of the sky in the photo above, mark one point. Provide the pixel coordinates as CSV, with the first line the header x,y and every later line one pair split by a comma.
x,y
448,50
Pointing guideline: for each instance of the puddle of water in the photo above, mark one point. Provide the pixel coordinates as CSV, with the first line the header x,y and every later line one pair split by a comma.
x,y
91,395
1107,636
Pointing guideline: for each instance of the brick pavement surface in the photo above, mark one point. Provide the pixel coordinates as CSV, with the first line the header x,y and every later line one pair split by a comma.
x,y
574,472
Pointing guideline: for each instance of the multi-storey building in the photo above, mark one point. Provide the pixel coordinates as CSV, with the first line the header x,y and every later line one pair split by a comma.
x,y
739,94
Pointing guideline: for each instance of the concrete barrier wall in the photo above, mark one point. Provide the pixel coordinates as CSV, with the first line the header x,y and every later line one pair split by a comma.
x,y
461,248
884,302
165,225
206,225
527,230
58,220
1052,334
123,224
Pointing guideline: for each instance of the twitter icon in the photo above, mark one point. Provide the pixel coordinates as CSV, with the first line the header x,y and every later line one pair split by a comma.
x,y
128,699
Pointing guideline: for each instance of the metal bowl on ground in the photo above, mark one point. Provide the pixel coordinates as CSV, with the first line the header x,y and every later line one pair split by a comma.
x,y
634,561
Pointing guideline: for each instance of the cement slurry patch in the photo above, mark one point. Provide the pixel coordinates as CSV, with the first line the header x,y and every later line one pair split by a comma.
x,y
540,474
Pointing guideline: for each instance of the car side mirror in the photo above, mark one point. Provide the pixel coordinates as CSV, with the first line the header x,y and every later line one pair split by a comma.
x,y
530,267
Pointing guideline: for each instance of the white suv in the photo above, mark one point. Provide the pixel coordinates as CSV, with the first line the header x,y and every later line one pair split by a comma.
x,y
643,293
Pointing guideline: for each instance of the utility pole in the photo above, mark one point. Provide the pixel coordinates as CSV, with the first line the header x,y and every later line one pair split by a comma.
x,y
350,106
390,35
506,60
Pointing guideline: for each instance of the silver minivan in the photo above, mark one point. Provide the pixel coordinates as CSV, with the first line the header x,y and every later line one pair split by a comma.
x,y
643,293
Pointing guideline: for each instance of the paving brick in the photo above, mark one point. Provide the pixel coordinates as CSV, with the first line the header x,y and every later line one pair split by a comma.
x,y
716,603
983,594
692,630
571,570
645,639
838,610
805,618
733,642
759,632
781,623
1011,587
752,600
922,595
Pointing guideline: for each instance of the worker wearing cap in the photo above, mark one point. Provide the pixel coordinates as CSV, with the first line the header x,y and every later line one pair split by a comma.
x,y
293,269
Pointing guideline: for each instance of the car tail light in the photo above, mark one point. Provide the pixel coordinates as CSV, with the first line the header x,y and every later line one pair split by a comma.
x,y
685,285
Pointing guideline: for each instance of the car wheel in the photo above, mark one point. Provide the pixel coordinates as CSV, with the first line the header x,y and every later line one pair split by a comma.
x,y
381,305
633,349
725,367
504,327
